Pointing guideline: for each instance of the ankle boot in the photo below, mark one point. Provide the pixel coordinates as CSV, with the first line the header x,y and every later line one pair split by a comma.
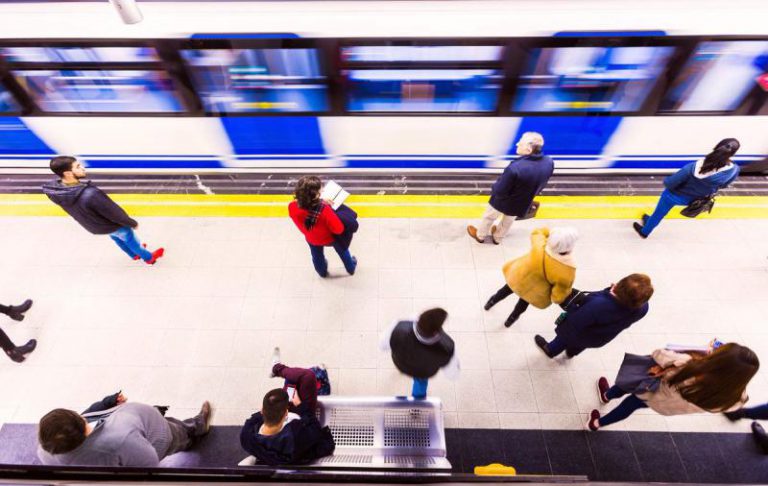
x,y
511,319
17,353
16,312
491,302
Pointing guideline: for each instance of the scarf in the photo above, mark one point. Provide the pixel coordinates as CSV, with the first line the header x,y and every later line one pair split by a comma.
x,y
314,214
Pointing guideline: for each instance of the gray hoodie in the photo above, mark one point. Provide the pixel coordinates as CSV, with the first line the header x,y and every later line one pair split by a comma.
x,y
90,207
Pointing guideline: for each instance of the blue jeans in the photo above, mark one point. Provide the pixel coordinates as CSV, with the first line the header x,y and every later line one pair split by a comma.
x,y
667,201
626,408
321,264
419,389
558,345
127,241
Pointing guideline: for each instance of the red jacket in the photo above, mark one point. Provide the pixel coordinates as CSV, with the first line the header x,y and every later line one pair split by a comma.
x,y
328,224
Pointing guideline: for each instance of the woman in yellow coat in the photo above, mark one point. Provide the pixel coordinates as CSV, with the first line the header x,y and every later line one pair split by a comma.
x,y
543,276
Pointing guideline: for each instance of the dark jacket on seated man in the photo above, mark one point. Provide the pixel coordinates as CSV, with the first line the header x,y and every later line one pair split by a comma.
x,y
300,440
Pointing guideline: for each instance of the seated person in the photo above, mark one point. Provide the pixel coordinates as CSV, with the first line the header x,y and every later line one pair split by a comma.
x,y
125,434
277,435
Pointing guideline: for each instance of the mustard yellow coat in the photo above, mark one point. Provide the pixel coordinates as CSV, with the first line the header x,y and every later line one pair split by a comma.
x,y
538,277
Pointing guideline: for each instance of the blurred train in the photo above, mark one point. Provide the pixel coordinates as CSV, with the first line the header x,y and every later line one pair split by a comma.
x,y
613,85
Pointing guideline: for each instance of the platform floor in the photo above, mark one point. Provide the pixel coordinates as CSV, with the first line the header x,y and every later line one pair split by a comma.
x,y
202,322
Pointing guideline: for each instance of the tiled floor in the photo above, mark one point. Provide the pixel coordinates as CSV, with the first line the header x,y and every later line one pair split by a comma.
x,y
202,322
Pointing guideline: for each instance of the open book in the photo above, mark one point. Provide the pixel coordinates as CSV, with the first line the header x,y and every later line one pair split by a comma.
x,y
334,193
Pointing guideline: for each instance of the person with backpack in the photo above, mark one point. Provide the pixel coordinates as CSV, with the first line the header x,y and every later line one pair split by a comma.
x,y
542,276
286,429
696,180
714,383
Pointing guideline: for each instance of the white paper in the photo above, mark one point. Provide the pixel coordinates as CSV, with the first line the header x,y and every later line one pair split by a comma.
x,y
335,193
687,347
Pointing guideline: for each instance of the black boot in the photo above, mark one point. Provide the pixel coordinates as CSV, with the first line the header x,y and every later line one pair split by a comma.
x,y
543,345
16,312
760,436
491,302
511,319
735,415
17,353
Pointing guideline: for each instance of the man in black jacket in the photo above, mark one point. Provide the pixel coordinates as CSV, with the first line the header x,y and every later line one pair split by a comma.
x,y
513,192
275,436
93,209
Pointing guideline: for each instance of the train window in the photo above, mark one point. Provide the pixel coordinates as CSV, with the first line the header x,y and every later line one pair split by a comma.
x,y
421,53
100,91
423,90
258,80
589,79
718,76
7,103
80,54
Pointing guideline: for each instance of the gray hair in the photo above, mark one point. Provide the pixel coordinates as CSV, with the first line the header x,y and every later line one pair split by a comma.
x,y
534,140
562,239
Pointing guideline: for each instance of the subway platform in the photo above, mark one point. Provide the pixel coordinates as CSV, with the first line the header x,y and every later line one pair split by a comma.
x,y
202,322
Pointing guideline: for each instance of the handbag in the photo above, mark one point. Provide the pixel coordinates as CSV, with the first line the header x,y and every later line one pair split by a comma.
x,y
633,374
575,300
698,206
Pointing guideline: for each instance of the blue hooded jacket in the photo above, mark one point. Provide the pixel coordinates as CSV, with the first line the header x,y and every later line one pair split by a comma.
x,y
685,183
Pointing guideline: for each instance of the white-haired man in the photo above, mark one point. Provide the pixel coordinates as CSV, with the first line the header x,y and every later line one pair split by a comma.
x,y
513,192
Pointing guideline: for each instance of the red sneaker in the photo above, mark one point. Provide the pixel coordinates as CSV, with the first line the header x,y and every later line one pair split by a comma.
x,y
602,389
593,423
137,257
155,255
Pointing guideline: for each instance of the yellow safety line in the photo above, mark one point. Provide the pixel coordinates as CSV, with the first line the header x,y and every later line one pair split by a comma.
x,y
383,206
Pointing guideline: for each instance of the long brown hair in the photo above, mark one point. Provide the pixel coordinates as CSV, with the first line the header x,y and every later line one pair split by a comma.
x,y
307,192
717,381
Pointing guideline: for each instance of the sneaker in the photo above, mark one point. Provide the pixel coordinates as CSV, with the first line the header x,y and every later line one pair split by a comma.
x,y
156,255
473,233
542,344
248,461
594,421
275,361
602,389
639,230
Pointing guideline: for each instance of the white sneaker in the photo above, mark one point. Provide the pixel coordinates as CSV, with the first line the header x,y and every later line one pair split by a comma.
x,y
248,461
275,360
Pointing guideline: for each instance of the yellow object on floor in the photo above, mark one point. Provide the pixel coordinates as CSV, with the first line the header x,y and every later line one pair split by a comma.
x,y
495,469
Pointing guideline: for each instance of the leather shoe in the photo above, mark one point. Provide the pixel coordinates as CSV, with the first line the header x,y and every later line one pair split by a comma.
x,y
735,415
511,320
645,217
473,233
18,353
493,238
491,302
639,230
760,436
542,344
203,419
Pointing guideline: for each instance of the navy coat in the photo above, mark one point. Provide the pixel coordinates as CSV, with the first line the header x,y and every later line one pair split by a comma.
x,y
521,181
599,319
348,217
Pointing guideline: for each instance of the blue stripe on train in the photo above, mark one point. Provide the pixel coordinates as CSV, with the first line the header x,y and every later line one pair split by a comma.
x,y
415,164
284,135
17,138
570,135
153,164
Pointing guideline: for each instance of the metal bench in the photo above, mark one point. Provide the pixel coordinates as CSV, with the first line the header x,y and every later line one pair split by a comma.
x,y
384,432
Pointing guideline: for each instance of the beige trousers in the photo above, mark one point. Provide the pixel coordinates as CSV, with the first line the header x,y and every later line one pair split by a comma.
x,y
490,217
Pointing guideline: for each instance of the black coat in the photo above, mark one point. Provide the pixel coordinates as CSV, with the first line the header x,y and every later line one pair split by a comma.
x,y
301,441
521,181
90,207
597,321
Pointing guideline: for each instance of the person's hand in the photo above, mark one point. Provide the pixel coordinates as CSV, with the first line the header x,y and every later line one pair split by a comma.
x,y
121,399
136,227
296,400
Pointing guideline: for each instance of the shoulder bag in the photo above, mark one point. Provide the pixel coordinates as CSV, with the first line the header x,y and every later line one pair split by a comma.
x,y
698,206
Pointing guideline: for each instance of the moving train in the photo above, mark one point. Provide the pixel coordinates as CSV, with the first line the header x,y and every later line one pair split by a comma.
x,y
613,85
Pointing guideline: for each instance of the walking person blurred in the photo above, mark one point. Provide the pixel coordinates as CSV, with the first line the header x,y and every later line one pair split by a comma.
x,y
319,224
16,312
420,348
714,383
600,317
513,192
93,209
542,276
696,180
